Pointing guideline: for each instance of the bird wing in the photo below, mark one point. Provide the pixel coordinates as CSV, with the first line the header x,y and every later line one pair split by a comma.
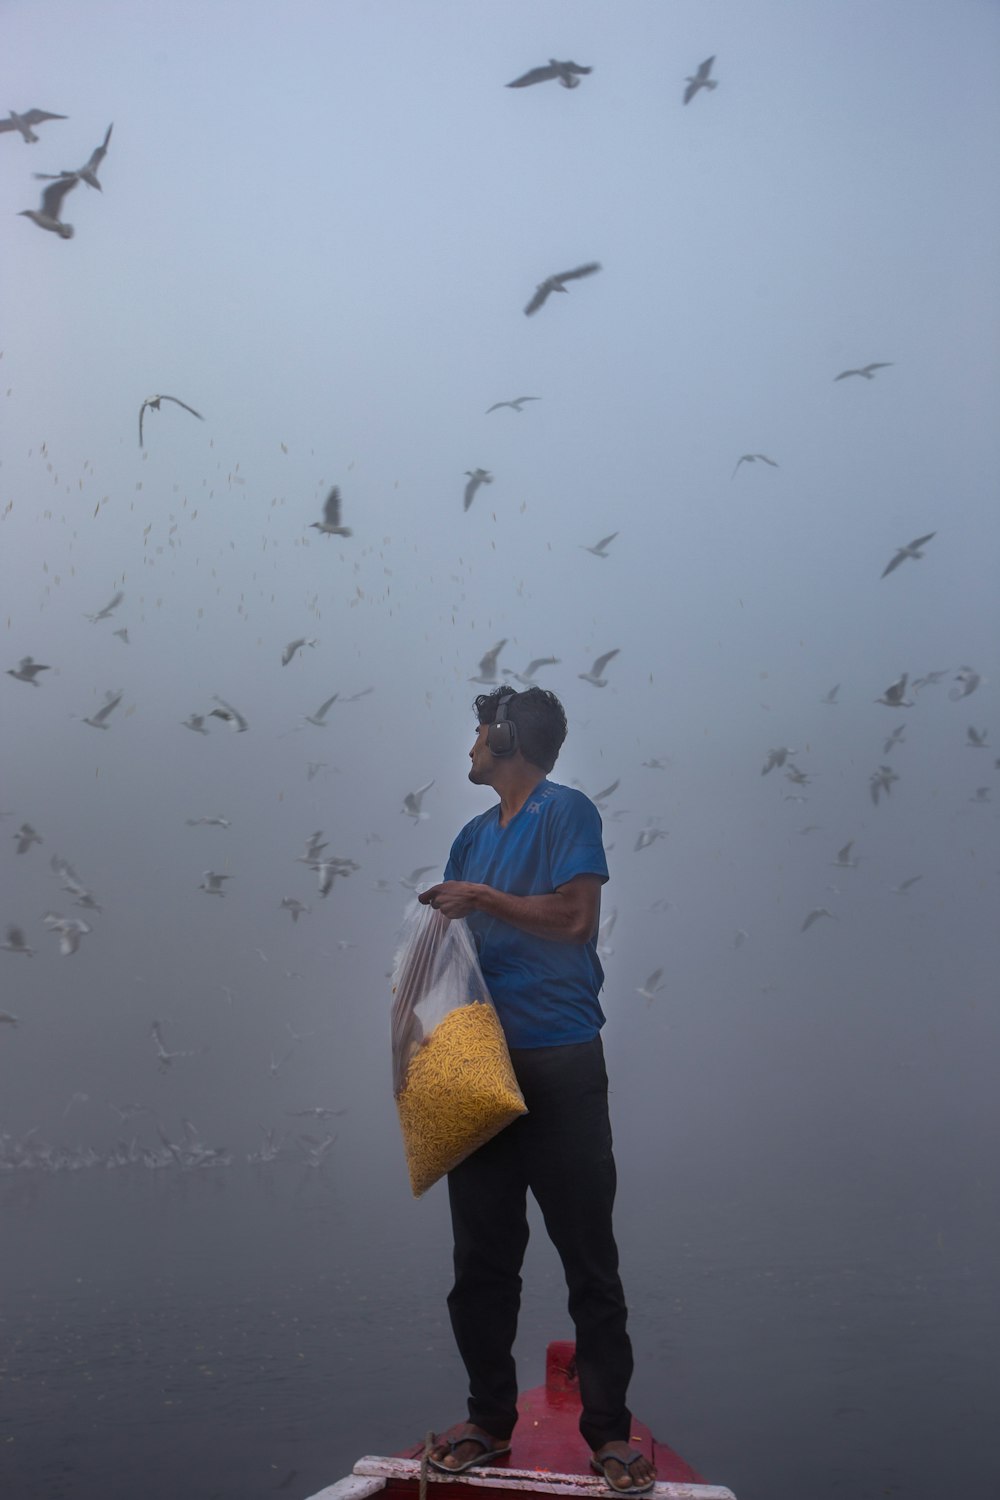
x,y
600,796
654,978
109,707
470,490
533,75
230,710
142,412
35,117
605,542
705,68
540,661
602,661
584,270
894,562
99,153
497,405
844,374
331,507
921,541
324,707
114,603
53,195
747,458
178,402
540,297
878,365
765,460
576,67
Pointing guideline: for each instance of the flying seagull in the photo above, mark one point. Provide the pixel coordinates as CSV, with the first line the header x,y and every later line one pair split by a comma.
x,y
750,458
88,172
212,822
70,930
294,646
844,860
831,696
212,883
15,942
594,675
72,884
777,758
700,80
488,666
319,717
814,916
969,679
557,283
229,715
412,801
648,836
895,738
108,610
27,670
912,549
881,781
24,122
47,216
905,885
514,405
100,718
295,906
568,74
866,371
330,524
652,987
153,402
476,478
528,675
195,722
975,738
600,549
894,695
26,836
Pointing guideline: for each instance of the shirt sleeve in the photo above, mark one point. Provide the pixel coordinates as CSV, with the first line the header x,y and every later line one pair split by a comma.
x,y
576,842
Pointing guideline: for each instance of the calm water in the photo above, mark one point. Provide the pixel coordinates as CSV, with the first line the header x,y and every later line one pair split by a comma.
x,y
800,1331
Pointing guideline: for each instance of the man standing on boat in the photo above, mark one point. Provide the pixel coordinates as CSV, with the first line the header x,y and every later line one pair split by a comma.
x,y
527,876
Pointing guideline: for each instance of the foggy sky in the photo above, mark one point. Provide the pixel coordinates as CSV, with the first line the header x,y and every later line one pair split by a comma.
x,y
320,231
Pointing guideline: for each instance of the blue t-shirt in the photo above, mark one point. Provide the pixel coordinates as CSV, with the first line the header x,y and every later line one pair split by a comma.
x,y
545,992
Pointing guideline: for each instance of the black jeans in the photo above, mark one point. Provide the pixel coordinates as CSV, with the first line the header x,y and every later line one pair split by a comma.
x,y
561,1150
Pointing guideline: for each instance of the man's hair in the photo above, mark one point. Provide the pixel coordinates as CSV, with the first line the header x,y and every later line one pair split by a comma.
x,y
537,715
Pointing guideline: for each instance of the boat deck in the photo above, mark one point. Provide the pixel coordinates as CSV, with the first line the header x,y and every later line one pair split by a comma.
x,y
548,1456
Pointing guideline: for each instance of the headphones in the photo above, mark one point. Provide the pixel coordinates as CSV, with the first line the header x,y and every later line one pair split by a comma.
x,y
501,736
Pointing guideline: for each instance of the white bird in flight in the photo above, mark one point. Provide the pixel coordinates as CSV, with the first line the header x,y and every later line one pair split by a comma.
x,y
412,801
70,930
100,718
153,403
568,74
867,372
212,883
88,172
969,680
476,478
215,822
319,717
749,458
294,646
195,722
47,215
528,675
912,549
23,123
557,283
652,986
27,670
331,522
108,610
515,405
894,695
229,715
600,549
594,675
488,666
700,80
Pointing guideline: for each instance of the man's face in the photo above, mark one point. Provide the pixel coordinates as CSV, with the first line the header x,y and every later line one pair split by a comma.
x,y
481,772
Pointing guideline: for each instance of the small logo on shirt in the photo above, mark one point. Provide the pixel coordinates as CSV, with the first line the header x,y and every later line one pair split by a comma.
x,y
534,807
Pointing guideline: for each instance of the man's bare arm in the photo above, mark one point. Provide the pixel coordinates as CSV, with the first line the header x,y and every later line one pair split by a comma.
x,y
569,914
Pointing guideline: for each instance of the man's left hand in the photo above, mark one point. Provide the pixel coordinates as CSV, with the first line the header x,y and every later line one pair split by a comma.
x,y
455,898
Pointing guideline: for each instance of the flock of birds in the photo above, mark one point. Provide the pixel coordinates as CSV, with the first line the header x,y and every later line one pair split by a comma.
x,y
29,1151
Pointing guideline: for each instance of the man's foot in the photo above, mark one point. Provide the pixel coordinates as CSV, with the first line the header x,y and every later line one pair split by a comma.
x,y
469,1448
627,1471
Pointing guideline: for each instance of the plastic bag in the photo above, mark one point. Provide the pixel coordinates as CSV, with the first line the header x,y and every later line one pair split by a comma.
x,y
451,1072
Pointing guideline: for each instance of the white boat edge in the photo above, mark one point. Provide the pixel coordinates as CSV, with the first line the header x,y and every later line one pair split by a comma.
x,y
371,1474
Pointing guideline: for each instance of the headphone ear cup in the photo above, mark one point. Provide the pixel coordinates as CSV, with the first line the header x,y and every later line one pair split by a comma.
x,y
501,738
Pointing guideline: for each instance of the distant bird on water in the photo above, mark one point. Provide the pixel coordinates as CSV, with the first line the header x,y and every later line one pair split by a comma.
x,y
476,478
24,122
749,458
88,172
514,405
153,403
700,80
568,74
557,283
594,675
867,372
330,524
27,670
912,549
47,215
